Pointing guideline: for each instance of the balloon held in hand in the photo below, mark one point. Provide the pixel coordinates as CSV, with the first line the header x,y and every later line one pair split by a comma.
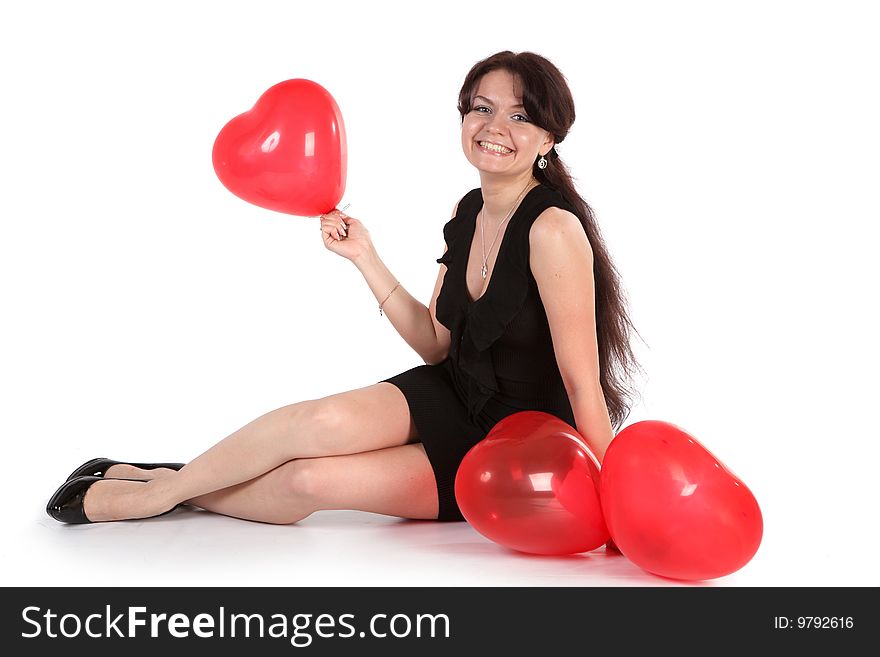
x,y
288,152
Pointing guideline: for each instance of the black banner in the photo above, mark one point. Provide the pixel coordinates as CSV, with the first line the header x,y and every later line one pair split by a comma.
x,y
433,621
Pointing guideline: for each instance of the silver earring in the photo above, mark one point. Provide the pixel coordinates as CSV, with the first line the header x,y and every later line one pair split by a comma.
x,y
542,163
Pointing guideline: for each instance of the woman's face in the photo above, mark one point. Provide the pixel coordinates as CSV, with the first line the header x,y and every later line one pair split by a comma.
x,y
497,135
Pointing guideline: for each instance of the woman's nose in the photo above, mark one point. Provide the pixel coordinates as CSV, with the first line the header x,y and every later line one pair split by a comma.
x,y
494,123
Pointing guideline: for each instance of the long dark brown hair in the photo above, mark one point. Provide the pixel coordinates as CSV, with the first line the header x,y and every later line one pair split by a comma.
x,y
549,104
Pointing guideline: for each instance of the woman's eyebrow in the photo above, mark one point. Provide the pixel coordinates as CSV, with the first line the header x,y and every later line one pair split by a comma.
x,y
491,103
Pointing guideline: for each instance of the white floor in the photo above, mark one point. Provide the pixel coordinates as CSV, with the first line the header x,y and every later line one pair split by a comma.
x,y
341,548
331,548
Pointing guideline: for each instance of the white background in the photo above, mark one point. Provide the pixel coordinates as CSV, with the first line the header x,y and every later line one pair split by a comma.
x,y
730,151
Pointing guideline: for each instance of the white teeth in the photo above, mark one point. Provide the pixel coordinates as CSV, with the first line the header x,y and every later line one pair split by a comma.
x,y
494,147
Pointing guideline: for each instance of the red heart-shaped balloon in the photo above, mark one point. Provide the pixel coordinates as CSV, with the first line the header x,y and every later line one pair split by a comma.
x,y
288,152
532,485
673,508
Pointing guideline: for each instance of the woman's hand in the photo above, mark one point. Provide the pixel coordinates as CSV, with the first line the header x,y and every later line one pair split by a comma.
x,y
344,235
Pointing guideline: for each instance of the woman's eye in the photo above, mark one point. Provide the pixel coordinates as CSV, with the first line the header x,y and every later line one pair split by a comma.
x,y
520,118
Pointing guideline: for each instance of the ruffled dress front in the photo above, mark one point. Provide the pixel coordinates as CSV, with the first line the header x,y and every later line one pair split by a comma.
x,y
501,359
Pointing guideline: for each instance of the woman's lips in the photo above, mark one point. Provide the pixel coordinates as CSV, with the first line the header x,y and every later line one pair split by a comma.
x,y
492,151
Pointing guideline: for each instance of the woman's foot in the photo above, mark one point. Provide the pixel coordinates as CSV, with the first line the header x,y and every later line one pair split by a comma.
x,y
117,499
126,471
98,467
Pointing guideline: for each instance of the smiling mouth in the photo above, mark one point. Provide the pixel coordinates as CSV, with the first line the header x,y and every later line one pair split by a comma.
x,y
494,148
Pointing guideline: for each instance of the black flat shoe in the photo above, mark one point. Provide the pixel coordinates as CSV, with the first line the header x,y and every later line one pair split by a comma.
x,y
66,505
97,467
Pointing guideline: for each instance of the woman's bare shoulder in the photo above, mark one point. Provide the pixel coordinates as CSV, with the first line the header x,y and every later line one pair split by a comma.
x,y
554,222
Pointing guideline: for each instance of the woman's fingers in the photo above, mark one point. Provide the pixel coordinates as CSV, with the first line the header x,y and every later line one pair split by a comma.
x,y
337,220
333,224
332,231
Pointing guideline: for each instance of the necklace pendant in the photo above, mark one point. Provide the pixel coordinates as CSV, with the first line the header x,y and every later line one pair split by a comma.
x,y
483,271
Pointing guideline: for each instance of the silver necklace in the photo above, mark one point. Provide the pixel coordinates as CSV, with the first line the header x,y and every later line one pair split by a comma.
x,y
484,270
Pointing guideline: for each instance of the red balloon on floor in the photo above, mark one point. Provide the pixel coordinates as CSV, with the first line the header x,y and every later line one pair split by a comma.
x,y
673,508
532,485
288,152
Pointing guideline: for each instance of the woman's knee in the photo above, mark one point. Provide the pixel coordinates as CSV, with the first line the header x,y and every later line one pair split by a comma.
x,y
322,424
293,491
298,481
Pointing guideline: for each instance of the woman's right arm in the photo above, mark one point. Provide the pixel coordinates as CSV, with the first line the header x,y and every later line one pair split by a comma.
x,y
416,323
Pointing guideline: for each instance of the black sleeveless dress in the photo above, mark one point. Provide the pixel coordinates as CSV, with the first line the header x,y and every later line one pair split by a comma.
x,y
501,359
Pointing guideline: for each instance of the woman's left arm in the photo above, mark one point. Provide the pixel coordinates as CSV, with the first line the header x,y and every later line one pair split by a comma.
x,y
562,263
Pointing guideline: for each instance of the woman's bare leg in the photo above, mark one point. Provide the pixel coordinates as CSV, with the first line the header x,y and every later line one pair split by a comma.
x,y
397,481
361,420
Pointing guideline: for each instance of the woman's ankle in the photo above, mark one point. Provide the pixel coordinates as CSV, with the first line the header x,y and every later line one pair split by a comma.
x,y
118,499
